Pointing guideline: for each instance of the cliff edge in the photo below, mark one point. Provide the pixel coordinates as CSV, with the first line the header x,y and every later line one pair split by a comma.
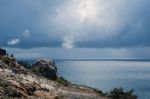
x,y
16,82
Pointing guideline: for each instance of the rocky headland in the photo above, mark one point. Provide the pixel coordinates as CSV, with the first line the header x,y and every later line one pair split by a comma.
x,y
42,81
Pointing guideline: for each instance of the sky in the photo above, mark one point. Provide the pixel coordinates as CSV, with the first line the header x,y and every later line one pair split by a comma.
x,y
75,28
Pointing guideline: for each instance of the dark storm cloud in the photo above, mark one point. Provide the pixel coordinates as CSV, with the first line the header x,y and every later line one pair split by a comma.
x,y
75,23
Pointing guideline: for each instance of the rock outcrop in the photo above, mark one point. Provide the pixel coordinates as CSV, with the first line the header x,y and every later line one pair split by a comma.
x,y
46,67
16,82
2,52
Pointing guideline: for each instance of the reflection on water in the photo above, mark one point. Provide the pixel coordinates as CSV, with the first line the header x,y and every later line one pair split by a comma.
x,y
106,75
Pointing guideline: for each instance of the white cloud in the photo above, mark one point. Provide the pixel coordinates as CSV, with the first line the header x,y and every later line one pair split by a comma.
x,y
14,41
68,42
25,34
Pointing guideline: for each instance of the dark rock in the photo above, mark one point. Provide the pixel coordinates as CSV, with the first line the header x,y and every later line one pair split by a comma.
x,y
30,90
2,52
10,92
46,68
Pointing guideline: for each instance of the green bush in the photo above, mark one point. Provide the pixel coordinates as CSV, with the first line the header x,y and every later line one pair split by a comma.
x,y
9,61
119,93
63,81
35,70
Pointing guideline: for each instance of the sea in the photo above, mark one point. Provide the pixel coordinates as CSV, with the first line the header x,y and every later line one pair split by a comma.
x,y
107,74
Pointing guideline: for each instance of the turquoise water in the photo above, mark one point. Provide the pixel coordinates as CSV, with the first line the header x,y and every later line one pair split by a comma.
x,y
106,75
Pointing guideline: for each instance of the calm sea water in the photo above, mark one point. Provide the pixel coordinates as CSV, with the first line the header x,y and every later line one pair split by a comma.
x,y
106,75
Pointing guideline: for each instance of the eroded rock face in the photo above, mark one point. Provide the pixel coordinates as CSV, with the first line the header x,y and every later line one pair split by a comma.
x,y
2,64
2,52
16,82
46,67
31,86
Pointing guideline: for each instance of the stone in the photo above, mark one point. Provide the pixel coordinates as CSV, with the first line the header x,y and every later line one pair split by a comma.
x,y
2,52
47,68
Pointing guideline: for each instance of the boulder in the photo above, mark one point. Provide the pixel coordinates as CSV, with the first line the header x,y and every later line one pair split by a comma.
x,y
2,52
46,68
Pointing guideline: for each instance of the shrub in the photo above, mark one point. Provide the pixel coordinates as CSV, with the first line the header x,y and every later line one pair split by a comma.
x,y
119,93
3,83
10,92
63,81
98,92
8,60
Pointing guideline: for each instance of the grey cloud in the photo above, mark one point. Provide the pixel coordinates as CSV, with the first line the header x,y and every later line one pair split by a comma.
x,y
116,23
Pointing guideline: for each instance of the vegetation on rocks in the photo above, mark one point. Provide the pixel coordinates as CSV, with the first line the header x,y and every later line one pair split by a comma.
x,y
119,93
11,92
63,81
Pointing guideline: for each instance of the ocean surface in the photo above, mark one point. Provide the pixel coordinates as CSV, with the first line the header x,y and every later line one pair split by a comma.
x,y
108,74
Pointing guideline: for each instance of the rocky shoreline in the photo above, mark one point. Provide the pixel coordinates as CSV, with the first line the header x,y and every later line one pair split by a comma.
x,y
43,82
16,82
